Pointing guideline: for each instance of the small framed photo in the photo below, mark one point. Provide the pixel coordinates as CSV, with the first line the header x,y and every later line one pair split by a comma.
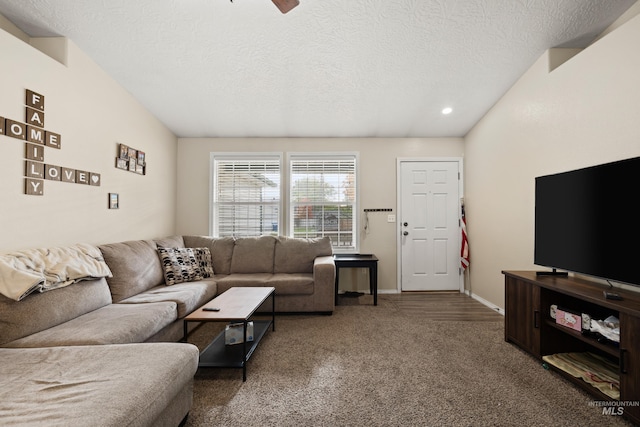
x,y
141,156
121,163
124,152
132,164
133,154
140,169
114,201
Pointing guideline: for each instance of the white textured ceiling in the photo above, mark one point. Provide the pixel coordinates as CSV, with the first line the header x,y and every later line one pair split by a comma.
x,y
328,68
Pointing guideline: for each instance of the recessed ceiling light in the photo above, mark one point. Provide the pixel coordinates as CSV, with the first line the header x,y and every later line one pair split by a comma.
x,y
447,110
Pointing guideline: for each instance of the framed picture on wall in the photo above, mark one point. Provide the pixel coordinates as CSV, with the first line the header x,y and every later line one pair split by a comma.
x,y
114,201
124,152
121,163
131,159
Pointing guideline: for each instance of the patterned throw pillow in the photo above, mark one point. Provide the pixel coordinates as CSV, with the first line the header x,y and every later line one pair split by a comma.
x,y
185,264
203,258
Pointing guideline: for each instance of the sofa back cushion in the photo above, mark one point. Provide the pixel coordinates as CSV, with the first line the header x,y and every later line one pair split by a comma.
x,y
135,266
295,255
253,255
170,242
221,249
40,311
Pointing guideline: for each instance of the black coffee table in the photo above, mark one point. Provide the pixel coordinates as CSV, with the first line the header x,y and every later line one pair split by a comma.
x,y
236,305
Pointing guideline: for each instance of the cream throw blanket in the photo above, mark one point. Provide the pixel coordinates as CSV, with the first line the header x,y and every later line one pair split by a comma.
x,y
24,272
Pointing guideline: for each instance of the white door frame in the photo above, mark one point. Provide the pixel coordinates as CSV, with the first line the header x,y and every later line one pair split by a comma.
x,y
399,161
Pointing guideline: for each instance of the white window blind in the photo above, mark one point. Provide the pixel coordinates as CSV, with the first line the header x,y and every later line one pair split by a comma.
x,y
323,198
246,196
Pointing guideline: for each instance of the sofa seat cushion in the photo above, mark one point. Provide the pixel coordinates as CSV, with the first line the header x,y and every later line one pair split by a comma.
x,y
233,280
135,267
188,296
41,311
116,385
112,324
292,284
285,284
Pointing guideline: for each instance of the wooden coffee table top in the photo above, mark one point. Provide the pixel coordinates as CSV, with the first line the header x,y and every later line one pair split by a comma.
x,y
236,304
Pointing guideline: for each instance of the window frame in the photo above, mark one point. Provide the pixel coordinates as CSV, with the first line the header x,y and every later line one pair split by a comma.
x,y
216,157
285,206
316,156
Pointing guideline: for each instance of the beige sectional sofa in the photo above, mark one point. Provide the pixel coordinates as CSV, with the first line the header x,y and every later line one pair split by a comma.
x,y
301,270
97,385
104,351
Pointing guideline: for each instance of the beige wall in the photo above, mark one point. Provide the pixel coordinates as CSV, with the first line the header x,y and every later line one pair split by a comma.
x,y
583,113
377,185
92,114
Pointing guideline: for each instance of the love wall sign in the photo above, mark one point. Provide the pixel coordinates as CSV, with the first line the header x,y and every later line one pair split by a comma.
x,y
36,138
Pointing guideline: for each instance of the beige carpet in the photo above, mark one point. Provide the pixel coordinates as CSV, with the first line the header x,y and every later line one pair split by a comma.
x,y
381,366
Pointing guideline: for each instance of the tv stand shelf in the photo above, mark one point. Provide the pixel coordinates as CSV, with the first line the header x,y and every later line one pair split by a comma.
x,y
605,348
528,324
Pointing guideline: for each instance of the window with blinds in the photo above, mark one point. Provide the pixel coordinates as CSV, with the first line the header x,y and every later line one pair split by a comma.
x,y
246,195
322,197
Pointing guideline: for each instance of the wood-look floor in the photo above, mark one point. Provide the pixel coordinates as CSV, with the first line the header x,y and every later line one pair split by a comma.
x,y
443,306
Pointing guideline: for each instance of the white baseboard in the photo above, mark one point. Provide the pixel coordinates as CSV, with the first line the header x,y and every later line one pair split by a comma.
x,y
485,302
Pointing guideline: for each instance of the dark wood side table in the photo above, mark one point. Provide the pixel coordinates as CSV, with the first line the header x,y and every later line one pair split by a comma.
x,y
369,261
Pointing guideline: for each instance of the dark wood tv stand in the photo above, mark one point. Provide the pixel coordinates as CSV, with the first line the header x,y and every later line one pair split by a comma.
x,y
528,324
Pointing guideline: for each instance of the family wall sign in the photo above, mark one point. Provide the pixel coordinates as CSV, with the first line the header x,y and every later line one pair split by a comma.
x,y
37,138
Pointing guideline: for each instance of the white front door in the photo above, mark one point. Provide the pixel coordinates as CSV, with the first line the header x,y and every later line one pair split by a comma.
x,y
429,225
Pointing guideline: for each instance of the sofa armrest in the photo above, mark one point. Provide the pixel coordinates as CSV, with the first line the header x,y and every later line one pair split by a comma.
x,y
324,279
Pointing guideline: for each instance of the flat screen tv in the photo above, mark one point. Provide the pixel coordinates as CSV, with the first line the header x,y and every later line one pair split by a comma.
x,y
586,221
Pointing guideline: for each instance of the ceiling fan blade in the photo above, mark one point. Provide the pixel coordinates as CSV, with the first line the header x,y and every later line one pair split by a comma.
x,y
285,5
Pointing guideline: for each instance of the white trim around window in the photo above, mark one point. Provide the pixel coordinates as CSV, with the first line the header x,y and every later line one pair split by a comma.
x,y
323,198
245,194
315,195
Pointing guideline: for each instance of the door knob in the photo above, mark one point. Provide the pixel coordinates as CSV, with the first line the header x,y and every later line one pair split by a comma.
x,y
406,233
